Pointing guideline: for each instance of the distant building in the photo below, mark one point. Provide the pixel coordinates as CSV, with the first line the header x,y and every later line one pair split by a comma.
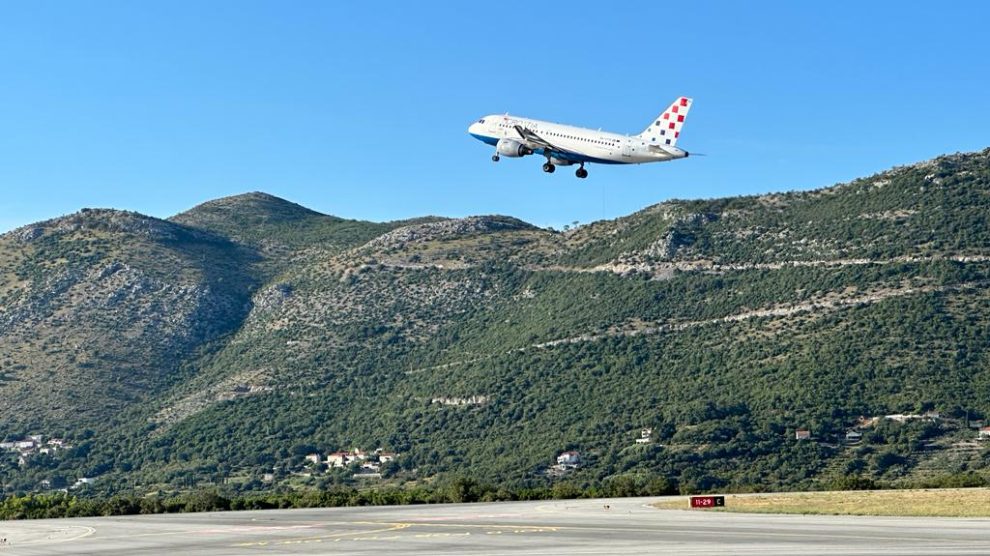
x,y
645,436
370,466
339,459
984,433
315,458
386,457
83,481
853,437
7,445
802,434
569,459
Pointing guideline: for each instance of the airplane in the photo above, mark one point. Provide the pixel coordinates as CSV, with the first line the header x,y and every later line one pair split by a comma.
x,y
564,145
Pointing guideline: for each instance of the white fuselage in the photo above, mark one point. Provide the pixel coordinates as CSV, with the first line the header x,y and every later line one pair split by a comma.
x,y
576,144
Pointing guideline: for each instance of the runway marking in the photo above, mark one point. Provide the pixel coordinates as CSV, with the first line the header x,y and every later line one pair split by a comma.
x,y
318,539
356,536
493,529
540,528
254,528
440,535
87,531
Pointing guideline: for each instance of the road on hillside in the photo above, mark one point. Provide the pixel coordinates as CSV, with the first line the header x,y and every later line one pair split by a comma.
x,y
583,527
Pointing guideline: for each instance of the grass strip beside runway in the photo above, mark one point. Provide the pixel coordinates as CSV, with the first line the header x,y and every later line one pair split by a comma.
x,y
967,502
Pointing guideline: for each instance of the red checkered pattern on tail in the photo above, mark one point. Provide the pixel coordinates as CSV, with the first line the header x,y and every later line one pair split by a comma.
x,y
666,128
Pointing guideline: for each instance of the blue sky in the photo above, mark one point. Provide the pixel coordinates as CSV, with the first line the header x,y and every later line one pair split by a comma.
x,y
361,109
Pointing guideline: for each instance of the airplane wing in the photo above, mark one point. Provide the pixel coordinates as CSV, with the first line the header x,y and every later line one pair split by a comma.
x,y
535,139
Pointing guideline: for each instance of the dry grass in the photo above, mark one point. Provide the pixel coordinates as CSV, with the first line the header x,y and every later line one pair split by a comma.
x,y
968,502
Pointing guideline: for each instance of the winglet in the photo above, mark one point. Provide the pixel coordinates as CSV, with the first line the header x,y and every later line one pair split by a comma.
x,y
666,128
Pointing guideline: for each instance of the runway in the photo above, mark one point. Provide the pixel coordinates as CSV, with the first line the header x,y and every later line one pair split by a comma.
x,y
582,527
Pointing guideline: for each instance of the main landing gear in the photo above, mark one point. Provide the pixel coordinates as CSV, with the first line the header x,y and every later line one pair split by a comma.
x,y
549,168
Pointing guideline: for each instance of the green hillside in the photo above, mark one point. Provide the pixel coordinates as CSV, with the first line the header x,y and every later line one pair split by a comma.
x,y
484,347
99,310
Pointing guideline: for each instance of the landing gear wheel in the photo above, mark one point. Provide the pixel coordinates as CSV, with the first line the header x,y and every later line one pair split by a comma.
x,y
495,158
549,168
581,173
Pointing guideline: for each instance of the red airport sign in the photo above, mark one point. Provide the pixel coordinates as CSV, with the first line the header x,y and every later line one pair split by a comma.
x,y
707,501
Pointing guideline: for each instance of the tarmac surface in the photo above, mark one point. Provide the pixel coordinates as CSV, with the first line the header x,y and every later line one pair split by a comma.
x,y
582,527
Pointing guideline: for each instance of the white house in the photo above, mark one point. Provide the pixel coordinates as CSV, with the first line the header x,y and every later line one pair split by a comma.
x,y
984,433
802,434
370,466
569,459
645,436
315,458
340,459
386,457
853,436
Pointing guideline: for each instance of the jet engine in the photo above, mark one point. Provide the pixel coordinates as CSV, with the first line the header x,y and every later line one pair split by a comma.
x,y
512,148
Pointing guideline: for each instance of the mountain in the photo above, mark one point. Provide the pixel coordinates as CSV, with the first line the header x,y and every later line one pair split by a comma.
x,y
278,229
98,310
232,340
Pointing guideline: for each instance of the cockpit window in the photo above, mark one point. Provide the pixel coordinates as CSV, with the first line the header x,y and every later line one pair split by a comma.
x,y
481,121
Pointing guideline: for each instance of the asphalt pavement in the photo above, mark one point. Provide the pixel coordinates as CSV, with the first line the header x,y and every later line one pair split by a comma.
x,y
580,527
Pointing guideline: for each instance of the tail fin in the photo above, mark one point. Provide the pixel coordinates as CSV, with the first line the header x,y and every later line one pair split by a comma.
x,y
667,127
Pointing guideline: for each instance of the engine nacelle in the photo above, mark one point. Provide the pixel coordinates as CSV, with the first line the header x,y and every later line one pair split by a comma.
x,y
512,148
